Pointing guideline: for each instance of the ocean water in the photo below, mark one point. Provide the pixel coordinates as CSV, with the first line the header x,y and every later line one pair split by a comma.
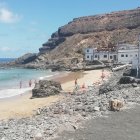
x,y
11,79
5,60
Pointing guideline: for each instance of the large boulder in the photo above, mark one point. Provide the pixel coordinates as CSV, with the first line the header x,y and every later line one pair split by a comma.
x,y
46,88
115,105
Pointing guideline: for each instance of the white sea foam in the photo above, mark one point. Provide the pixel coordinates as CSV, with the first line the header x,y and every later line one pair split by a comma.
x,y
10,80
7,93
48,76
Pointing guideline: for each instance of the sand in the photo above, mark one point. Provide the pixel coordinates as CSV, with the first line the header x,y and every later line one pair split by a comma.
x,y
86,78
22,106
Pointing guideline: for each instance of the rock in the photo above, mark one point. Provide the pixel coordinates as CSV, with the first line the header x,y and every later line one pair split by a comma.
x,y
115,105
38,136
3,138
51,132
51,44
6,127
103,108
27,58
46,88
84,114
127,72
106,88
96,108
38,112
130,72
57,68
134,84
126,80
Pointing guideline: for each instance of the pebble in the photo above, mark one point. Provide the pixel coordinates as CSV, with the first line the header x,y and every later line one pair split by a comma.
x,y
38,136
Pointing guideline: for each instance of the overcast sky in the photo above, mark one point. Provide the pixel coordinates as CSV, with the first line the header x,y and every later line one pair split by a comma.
x,y
26,24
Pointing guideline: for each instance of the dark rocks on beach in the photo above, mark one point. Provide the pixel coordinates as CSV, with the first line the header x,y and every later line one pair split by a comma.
x,y
129,80
126,80
46,88
130,72
105,88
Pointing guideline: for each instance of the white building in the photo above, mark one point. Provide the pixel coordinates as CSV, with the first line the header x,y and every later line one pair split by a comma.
x,y
89,54
126,53
94,54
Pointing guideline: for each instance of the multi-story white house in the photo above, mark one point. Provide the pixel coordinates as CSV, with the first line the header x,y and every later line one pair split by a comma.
x,y
126,53
123,54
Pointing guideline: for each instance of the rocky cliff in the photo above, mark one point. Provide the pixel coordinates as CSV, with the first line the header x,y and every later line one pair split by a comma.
x,y
95,31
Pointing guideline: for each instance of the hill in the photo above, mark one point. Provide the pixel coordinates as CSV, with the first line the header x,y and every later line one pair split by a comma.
x,y
106,30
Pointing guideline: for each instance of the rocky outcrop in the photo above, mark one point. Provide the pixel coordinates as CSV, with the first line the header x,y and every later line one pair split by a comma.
x,y
51,44
46,88
27,58
98,23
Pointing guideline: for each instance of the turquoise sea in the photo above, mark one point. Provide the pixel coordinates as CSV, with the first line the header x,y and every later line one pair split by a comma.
x,y
12,78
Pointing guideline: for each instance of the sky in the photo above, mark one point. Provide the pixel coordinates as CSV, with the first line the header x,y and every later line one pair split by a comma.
x,y
26,24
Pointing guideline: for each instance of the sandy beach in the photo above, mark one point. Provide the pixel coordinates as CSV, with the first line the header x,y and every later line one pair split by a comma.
x,y
22,106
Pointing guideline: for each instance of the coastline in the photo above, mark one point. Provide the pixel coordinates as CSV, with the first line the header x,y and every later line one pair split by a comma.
x,y
22,106
70,111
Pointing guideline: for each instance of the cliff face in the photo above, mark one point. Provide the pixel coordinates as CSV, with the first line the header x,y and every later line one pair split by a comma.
x,y
96,31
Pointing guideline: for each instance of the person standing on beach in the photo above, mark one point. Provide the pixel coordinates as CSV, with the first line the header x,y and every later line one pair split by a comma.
x,y
102,75
20,84
30,83
75,82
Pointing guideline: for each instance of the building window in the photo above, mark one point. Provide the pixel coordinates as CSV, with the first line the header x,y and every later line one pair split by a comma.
x,y
136,55
126,55
95,56
105,56
122,55
87,56
110,57
87,50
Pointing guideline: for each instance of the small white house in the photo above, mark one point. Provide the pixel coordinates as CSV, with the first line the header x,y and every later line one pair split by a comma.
x,y
126,53
94,54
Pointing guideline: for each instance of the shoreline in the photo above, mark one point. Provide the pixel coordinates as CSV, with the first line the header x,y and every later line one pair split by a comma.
x,y
23,106
24,90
